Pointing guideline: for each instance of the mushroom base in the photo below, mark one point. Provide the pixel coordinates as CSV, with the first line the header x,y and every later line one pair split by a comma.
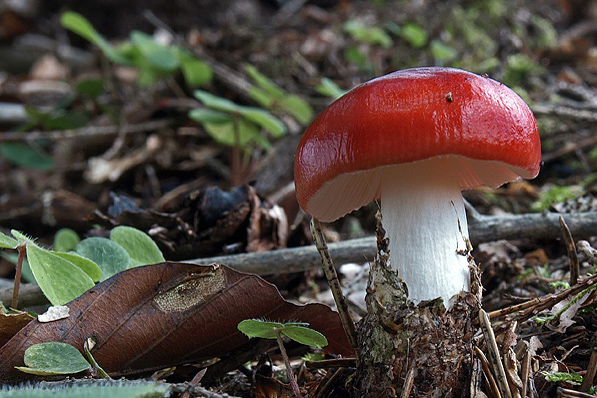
x,y
398,336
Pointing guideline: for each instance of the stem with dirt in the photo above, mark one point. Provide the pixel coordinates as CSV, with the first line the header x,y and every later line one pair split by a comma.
x,y
421,349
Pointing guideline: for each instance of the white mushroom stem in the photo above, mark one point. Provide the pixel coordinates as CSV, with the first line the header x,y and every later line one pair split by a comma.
x,y
425,221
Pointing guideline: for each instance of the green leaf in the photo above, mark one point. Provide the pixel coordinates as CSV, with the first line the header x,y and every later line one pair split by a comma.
x,y
296,324
92,88
367,34
21,237
217,103
264,82
158,55
6,242
263,118
442,52
414,34
304,335
298,108
107,254
61,120
60,280
141,248
53,358
297,331
86,265
261,97
195,71
247,133
329,88
147,75
354,55
81,26
65,240
23,155
210,116
256,328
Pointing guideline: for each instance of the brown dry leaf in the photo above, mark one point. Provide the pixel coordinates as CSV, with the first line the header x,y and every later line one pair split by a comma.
x,y
162,315
511,367
10,324
269,387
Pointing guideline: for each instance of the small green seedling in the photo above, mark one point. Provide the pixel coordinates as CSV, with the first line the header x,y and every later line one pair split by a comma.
x,y
297,331
237,126
372,35
53,358
56,358
329,88
63,276
272,97
65,240
151,58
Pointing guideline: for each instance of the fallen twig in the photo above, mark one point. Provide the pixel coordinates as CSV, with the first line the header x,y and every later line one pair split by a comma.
x,y
538,304
567,393
495,359
481,229
86,132
330,273
571,250
490,380
565,111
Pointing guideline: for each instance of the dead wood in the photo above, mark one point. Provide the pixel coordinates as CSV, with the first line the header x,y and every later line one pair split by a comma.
x,y
86,132
481,229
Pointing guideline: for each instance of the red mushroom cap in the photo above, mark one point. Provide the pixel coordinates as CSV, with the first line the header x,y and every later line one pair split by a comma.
x,y
408,116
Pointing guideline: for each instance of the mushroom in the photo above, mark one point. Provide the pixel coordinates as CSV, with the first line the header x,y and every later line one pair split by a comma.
x,y
415,139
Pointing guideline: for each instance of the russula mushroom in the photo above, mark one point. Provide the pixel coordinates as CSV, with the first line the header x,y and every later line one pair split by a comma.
x,y
414,139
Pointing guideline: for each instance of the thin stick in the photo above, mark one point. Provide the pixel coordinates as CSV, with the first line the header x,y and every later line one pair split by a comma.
x,y
525,370
534,306
22,249
493,387
332,277
514,308
567,393
87,132
408,383
571,249
291,376
494,355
